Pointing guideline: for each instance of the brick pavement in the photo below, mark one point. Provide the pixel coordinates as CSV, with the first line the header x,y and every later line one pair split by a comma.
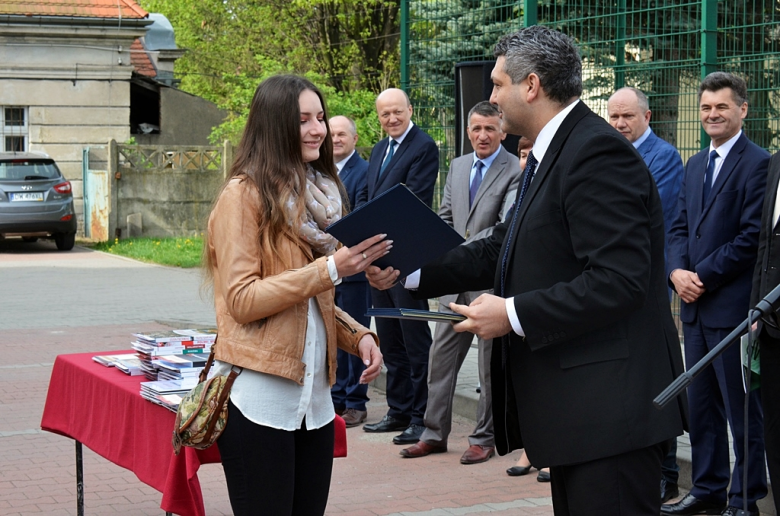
x,y
53,303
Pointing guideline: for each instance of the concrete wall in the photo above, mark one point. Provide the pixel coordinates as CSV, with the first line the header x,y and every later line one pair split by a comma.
x,y
184,120
171,189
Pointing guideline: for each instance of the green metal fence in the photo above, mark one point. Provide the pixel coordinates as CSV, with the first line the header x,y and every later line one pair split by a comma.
x,y
663,47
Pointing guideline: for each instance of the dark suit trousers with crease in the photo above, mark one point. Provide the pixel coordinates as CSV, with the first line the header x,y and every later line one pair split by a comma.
x,y
354,297
770,400
716,399
405,346
622,485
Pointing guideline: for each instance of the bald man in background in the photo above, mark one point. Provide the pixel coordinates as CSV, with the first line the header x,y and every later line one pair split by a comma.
x,y
411,157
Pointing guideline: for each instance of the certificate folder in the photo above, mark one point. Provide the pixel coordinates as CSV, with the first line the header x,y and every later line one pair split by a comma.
x,y
419,235
414,314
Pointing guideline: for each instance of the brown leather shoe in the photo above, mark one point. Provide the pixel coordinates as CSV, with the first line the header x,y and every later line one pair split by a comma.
x,y
353,417
477,453
421,449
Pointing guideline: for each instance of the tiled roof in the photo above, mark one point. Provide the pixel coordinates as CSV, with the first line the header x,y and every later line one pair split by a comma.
x,y
76,8
140,59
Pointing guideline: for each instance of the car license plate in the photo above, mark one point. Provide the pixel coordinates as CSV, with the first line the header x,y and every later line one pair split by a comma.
x,y
27,196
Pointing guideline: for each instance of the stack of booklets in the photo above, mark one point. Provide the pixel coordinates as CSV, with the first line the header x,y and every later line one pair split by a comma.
x,y
178,367
152,345
127,363
167,393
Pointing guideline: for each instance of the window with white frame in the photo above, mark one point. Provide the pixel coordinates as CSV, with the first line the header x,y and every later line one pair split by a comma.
x,y
13,128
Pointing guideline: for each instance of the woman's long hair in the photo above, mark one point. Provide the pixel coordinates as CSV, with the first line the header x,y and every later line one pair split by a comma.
x,y
270,156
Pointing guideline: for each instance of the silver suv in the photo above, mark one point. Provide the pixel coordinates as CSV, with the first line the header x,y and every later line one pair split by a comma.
x,y
36,201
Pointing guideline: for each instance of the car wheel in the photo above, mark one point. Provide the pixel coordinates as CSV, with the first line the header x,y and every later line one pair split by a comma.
x,y
30,239
65,241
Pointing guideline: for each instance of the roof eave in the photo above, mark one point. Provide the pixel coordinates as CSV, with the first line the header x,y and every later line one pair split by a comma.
x,y
73,20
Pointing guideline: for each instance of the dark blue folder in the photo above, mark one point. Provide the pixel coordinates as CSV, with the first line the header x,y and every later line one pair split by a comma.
x,y
418,233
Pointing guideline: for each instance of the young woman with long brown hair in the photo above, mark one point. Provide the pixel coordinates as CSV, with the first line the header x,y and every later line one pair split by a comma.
x,y
273,271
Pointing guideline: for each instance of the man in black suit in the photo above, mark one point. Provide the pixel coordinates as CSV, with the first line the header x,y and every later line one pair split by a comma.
x,y
765,278
407,156
353,294
712,255
583,332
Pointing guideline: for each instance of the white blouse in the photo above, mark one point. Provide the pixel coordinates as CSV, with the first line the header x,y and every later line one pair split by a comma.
x,y
277,402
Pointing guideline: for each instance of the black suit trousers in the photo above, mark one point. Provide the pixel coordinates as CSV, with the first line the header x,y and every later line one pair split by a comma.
x,y
770,400
405,346
621,485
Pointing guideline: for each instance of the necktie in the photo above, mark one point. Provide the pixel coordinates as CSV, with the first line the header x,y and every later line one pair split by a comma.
x,y
708,176
386,162
528,175
476,181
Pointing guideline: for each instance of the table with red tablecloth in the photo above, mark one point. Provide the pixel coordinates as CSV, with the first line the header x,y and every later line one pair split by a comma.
x,y
102,408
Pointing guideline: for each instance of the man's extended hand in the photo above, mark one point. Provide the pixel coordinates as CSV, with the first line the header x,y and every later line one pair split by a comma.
x,y
487,317
381,279
687,284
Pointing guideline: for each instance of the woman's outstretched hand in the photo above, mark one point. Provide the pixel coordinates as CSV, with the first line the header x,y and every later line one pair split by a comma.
x,y
371,356
351,260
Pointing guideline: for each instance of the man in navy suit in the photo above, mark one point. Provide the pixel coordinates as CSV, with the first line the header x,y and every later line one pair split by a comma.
x,y
712,253
407,156
629,112
352,294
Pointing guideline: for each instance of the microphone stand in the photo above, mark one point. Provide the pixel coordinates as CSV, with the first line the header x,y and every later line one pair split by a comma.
x,y
764,310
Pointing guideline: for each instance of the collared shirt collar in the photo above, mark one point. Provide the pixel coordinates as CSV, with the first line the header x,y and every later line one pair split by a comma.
x,y
400,139
724,149
486,161
547,133
343,162
642,138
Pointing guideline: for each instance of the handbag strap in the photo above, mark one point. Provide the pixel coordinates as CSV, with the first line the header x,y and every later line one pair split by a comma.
x,y
204,373
222,398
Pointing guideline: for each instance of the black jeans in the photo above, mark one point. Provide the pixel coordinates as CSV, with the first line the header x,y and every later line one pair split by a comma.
x,y
276,472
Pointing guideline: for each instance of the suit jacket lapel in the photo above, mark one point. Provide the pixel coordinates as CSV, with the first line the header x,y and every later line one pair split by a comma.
x,y
460,185
726,169
399,151
771,199
375,166
542,170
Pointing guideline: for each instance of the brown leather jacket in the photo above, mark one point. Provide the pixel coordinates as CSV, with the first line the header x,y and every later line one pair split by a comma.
x,y
262,305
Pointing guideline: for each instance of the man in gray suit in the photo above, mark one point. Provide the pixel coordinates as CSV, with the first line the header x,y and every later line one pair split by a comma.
x,y
474,194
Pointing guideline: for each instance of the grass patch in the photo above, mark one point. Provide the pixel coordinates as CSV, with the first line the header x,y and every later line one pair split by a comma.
x,y
177,252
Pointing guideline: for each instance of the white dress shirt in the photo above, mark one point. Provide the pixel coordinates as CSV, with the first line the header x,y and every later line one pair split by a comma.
x,y
722,151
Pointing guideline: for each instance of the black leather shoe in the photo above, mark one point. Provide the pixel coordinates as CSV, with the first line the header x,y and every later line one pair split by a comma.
x,y
388,424
691,505
735,511
543,476
668,491
409,436
518,471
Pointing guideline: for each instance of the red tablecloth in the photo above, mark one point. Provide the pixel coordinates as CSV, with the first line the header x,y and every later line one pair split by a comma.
x,y
102,408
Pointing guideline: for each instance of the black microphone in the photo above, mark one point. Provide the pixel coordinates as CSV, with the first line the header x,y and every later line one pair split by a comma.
x,y
769,306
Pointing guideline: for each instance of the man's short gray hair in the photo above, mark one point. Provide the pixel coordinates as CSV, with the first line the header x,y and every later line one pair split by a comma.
x,y
483,108
550,54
